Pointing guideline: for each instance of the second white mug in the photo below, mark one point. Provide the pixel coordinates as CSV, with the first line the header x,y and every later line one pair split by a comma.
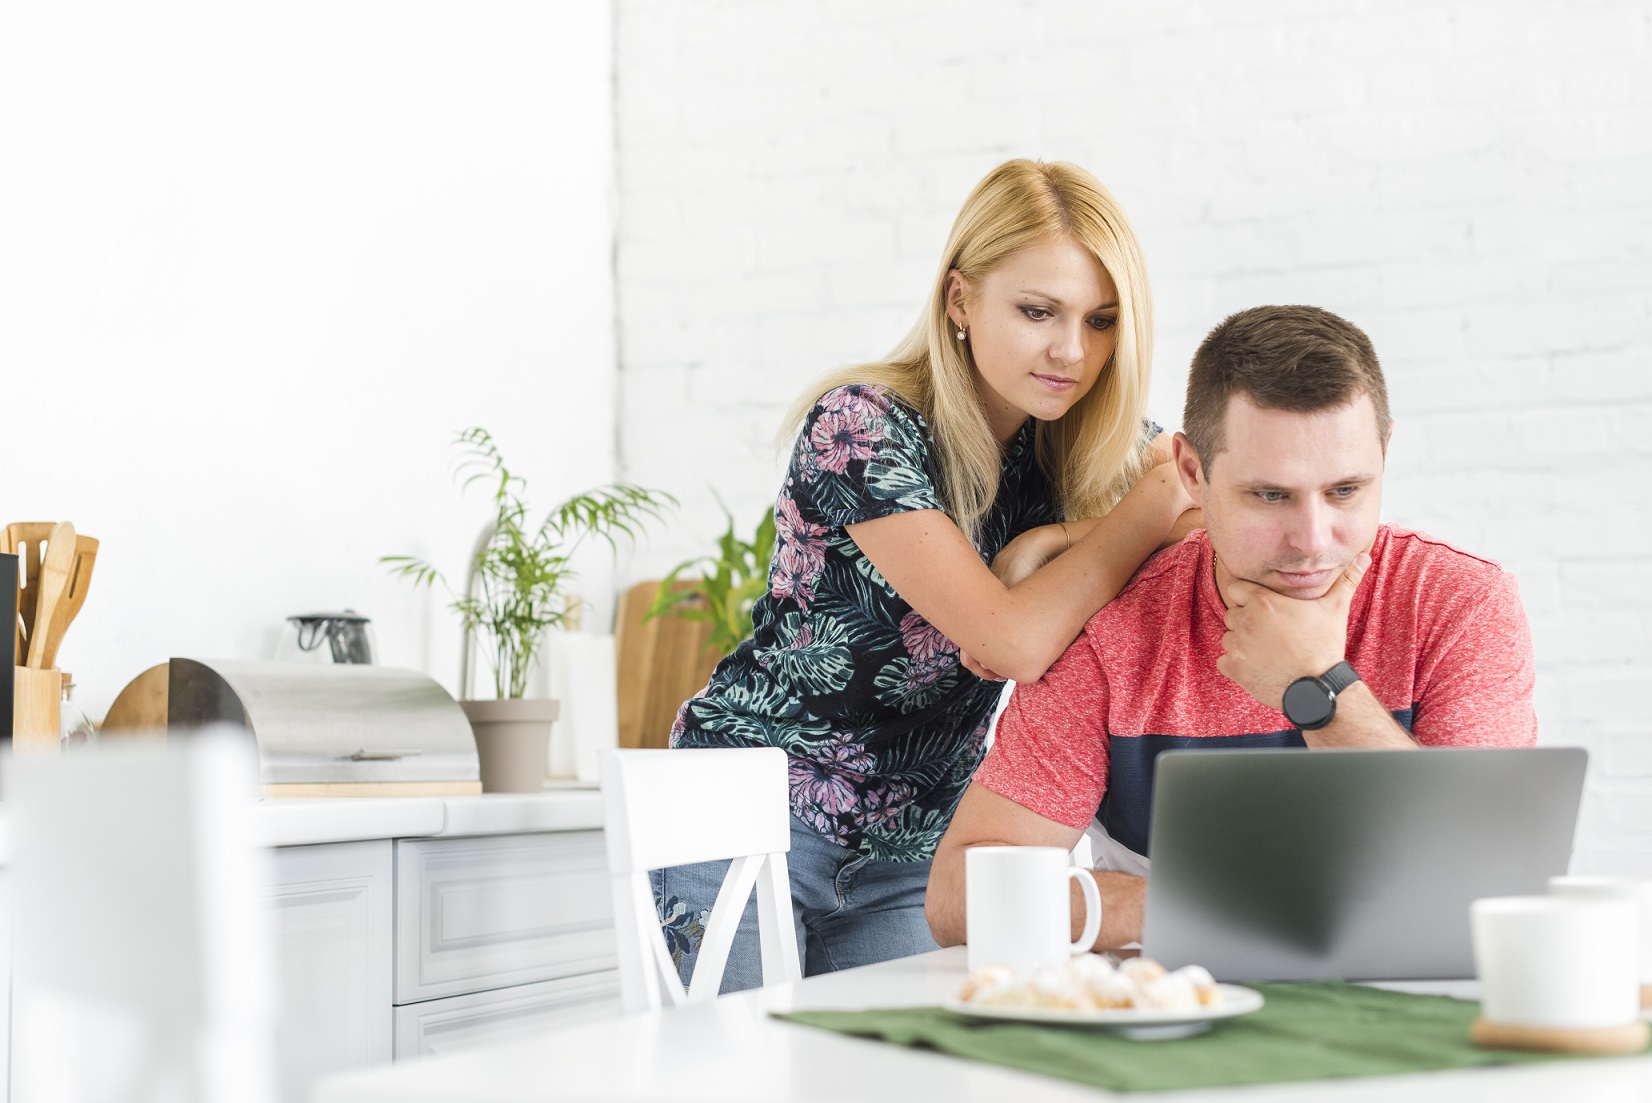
x,y
1556,963
1637,890
1017,906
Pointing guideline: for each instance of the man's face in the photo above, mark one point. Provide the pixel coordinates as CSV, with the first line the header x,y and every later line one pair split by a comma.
x,y
1292,498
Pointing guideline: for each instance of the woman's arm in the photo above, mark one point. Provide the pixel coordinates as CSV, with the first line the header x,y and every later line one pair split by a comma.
x,y
1020,630
1037,546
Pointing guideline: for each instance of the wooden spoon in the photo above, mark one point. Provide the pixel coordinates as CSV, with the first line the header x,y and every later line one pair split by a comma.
x,y
54,580
68,607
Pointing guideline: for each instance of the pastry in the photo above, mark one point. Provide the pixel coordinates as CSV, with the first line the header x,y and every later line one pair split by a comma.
x,y
1142,969
1204,985
1058,988
1089,982
1169,993
986,981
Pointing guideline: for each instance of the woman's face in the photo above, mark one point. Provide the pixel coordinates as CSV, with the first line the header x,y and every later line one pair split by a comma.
x,y
1040,327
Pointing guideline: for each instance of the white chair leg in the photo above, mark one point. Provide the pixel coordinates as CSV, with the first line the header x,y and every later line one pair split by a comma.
x,y
775,923
648,978
722,926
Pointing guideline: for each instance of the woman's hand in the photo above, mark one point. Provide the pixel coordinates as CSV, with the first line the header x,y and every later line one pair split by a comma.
x,y
1159,450
1031,550
977,668
1189,520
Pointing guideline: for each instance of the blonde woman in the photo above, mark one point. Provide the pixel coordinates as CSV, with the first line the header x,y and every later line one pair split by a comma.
x,y
1007,429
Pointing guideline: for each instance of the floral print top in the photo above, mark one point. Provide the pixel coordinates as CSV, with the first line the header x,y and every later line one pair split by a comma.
x,y
882,724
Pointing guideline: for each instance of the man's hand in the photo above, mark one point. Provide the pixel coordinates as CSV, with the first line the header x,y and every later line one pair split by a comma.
x,y
984,818
1273,640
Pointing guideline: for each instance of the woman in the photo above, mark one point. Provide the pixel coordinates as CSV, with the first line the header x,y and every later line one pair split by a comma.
x,y
1008,424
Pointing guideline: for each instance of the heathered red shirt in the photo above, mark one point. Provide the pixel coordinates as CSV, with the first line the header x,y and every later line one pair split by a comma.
x,y
1439,635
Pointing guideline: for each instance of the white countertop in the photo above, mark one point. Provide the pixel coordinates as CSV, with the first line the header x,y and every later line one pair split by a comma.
x,y
295,822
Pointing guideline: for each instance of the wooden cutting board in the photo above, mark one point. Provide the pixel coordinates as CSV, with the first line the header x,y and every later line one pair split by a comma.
x,y
659,664
140,710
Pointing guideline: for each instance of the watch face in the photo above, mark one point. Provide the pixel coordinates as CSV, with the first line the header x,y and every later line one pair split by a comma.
x,y
1307,705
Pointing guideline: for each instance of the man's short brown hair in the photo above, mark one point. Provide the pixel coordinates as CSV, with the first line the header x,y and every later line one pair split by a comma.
x,y
1298,358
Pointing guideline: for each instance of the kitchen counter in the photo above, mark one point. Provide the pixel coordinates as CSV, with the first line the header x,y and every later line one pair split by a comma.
x,y
294,822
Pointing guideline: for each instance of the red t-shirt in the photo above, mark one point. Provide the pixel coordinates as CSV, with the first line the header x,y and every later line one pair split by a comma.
x,y
1439,635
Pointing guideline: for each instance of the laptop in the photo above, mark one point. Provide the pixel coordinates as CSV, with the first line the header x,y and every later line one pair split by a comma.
x,y
1281,865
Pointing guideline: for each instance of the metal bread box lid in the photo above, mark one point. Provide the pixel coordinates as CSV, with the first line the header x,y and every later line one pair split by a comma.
x,y
329,722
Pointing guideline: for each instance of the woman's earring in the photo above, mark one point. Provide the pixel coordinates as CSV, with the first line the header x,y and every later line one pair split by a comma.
x,y
960,333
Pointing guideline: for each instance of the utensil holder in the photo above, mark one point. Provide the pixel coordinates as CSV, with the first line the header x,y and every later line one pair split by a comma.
x,y
37,709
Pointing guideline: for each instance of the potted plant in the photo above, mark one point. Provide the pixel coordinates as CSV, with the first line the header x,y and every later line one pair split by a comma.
x,y
729,583
521,573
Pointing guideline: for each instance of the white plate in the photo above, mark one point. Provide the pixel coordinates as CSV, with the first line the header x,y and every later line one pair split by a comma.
x,y
1143,1024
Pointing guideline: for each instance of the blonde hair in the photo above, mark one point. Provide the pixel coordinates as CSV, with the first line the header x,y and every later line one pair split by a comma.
x,y
1093,453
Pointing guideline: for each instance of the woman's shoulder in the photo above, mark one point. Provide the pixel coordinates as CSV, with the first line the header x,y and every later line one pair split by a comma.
x,y
867,398
871,411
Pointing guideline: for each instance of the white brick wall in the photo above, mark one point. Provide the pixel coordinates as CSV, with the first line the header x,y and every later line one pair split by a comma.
x,y
1471,182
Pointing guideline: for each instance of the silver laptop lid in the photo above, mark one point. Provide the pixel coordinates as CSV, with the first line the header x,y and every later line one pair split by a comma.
x,y
1348,864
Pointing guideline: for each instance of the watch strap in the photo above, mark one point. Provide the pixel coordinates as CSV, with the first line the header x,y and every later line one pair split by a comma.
x,y
1339,677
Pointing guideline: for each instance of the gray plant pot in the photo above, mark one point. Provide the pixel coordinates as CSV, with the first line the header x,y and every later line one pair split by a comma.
x,y
513,740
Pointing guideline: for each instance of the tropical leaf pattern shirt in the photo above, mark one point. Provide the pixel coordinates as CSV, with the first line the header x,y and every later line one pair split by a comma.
x,y
882,725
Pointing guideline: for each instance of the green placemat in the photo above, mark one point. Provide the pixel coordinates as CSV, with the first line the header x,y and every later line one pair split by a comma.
x,y
1317,1031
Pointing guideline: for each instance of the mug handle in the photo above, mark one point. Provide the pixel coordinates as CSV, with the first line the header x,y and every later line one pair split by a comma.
x,y
1092,910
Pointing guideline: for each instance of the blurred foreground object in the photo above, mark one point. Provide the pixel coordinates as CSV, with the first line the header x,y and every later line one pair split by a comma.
x,y
143,959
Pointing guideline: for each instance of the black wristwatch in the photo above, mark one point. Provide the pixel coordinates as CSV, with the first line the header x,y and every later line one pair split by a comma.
x,y
1311,703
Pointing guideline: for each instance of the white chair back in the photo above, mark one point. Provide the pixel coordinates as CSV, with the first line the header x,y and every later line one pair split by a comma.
x,y
679,807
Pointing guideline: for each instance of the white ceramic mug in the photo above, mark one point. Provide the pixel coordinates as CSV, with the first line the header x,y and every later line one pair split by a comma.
x,y
1017,906
1635,889
1556,962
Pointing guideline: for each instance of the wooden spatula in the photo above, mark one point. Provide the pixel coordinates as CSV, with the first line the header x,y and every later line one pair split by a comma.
x,y
54,581
68,607
13,537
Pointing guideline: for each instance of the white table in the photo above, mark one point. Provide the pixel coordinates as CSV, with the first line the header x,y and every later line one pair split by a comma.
x,y
731,1049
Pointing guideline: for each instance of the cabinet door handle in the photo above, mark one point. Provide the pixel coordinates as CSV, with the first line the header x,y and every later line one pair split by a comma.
x,y
365,755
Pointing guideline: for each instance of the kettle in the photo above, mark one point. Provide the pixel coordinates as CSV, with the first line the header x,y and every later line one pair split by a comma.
x,y
345,637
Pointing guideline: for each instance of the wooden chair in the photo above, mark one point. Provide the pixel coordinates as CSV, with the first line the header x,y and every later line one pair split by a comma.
x,y
673,808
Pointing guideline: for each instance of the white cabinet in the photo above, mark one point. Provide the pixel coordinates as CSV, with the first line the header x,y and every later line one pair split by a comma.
x,y
475,914
499,934
442,1026
395,948
331,915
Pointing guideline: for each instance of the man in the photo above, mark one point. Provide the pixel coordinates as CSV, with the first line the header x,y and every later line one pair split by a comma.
x,y
1293,619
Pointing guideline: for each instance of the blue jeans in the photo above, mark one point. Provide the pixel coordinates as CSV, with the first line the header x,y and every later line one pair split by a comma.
x,y
847,909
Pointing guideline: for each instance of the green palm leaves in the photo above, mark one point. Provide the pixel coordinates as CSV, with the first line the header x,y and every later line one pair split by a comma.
x,y
729,583
522,570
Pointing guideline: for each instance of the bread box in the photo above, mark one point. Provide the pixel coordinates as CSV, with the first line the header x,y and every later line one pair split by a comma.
x,y
328,730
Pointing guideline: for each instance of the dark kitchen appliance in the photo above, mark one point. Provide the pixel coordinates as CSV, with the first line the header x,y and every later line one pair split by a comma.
x,y
8,646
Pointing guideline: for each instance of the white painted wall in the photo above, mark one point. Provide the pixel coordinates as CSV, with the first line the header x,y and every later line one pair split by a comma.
x,y
259,264
1470,181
